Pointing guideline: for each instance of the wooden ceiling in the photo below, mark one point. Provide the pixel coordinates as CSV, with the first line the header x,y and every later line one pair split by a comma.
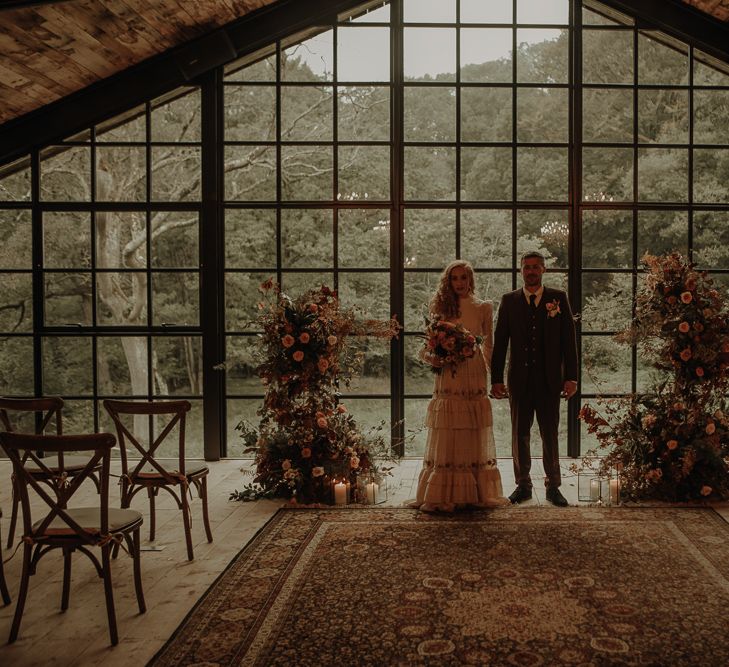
x,y
51,49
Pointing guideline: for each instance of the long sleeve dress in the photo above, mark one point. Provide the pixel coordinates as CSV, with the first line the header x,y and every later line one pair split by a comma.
x,y
459,467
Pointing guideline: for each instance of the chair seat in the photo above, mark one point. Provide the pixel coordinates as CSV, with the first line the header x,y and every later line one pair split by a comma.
x,y
73,463
88,519
194,469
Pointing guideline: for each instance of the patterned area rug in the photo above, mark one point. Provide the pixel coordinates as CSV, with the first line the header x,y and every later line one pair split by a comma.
x,y
515,586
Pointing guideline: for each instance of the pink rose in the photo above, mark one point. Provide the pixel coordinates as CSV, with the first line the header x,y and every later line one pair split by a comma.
x,y
710,428
354,462
686,297
298,355
313,308
332,340
322,364
287,341
306,452
699,371
706,490
672,444
322,422
684,327
304,338
318,471
686,354
286,465
341,408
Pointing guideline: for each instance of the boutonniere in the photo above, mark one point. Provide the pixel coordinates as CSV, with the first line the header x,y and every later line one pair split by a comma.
x,y
553,308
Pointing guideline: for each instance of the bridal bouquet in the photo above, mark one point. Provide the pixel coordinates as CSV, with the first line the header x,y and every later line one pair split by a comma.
x,y
447,344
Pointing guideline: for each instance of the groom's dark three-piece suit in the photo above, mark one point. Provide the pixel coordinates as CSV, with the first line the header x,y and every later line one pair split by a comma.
x,y
542,355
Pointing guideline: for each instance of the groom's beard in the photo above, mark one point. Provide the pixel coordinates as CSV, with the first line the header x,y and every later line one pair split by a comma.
x,y
533,281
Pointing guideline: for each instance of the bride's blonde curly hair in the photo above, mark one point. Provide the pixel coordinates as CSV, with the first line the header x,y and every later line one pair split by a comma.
x,y
445,300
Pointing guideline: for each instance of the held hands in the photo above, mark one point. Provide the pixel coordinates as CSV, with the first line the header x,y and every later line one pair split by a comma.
x,y
499,390
569,389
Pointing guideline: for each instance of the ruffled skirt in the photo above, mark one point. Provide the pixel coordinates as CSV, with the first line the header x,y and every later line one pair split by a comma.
x,y
459,467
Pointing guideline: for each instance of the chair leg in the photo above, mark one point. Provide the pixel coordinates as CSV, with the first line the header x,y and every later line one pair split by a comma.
x,y
151,493
109,592
15,503
3,584
22,593
204,497
187,522
66,578
135,549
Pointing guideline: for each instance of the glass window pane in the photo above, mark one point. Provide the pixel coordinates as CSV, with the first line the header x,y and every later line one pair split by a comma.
x,y
545,230
711,174
430,237
709,71
478,11
16,302
607,174
486,54
542,115
486,174
646,376
15,181
67,366
242,356
250,113
121,239
364,171
306,172
178,118
661,232
542,11
430,173
128,126
306,113
365,14
250,173
67,299
430,114
541,174
606,366
416,434
429,11
177,365
486,114
295,284
121,173
363,54
15,229
175,239
65,174
257,66
242,297
711,239
607,300
16,366
121,365
418,375
663,116
607,115
176,298
78,416
492,287
369,292
66,240
369,413
662,60
711,109
607,56
419,289
542,55
363,113
364,238
250,238
429,54
121,298
607,239
308,60
176,173
486,238
662,174
239,410
307,238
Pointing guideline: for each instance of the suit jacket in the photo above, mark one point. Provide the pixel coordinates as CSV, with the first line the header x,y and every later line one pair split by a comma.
x,y
560,345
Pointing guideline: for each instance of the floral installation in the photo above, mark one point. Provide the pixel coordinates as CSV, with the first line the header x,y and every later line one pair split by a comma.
x,y
306,437
447,344
672,442
553,308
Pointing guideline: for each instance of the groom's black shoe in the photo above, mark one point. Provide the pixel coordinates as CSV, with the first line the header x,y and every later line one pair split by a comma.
x,y
555,497
521,494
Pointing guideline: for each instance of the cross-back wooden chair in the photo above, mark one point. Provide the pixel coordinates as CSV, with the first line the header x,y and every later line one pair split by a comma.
x,y
4,593
48,411
67,528
148,473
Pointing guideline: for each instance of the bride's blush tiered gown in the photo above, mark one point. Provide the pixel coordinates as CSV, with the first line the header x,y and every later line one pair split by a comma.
x,y
459,467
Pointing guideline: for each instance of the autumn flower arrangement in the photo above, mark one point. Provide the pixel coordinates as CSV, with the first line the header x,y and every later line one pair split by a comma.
x,y
306,437
672,442
447,344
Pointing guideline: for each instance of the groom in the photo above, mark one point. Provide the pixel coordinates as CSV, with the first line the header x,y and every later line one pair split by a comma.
x,y
536,323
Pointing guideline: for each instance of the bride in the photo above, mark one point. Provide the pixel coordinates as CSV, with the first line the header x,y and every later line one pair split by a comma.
x,y
459,467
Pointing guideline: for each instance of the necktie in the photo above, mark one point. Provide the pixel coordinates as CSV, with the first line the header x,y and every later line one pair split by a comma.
x,y
533,301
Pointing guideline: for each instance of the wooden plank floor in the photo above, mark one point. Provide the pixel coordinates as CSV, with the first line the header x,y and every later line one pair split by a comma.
x,y
172,585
